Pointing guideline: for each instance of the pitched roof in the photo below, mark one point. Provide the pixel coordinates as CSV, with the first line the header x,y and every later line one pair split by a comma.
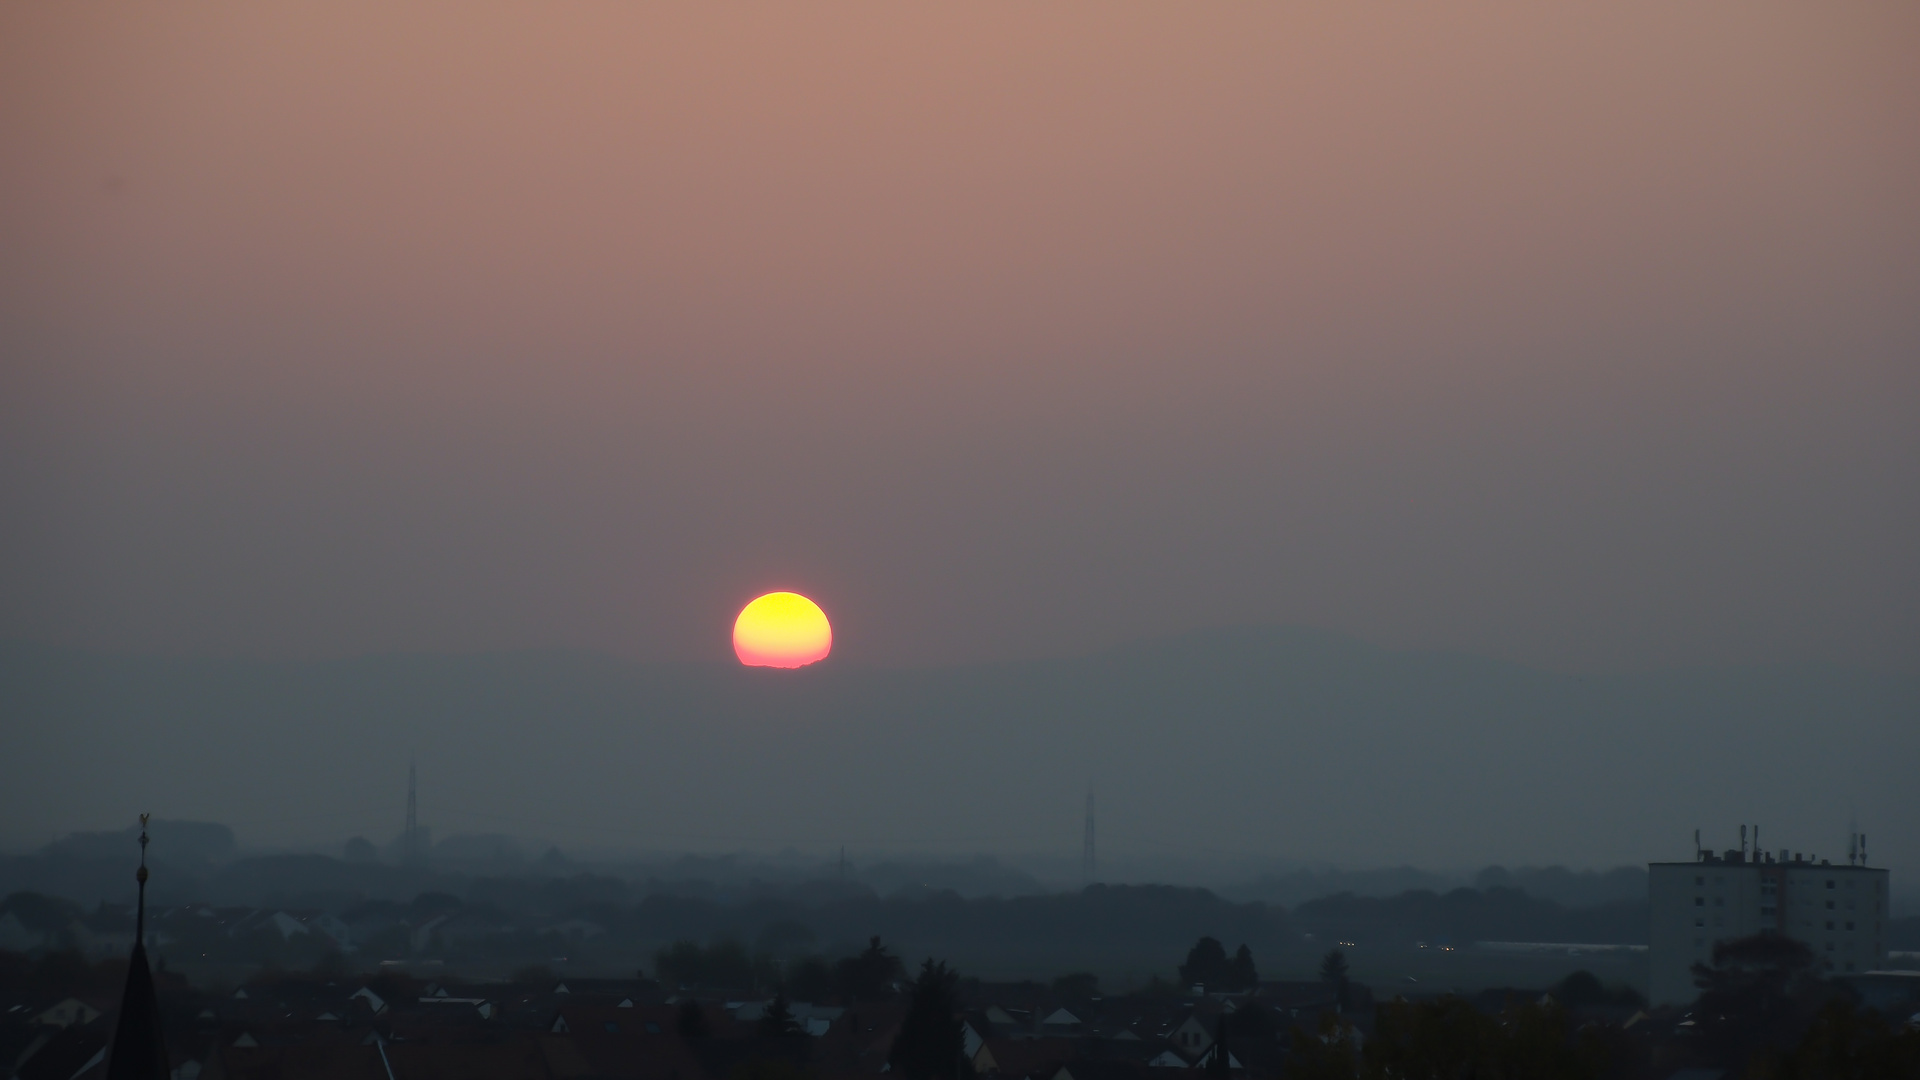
x,y
63,1053
68,1011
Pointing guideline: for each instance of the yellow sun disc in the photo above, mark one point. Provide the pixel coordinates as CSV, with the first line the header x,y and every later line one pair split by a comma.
x,y
783,630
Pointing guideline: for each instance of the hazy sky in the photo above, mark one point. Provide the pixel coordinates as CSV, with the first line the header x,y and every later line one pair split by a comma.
x,y
1587,338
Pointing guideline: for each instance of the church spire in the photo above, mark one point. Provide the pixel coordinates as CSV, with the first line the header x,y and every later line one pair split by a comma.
x,y
138,1051
140,876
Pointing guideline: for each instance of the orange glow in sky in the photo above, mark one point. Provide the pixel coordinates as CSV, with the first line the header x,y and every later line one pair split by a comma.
x,y
783,630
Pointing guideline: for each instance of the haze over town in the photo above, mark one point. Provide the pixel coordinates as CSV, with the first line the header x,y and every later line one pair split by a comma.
x,y
1013,340
1133,493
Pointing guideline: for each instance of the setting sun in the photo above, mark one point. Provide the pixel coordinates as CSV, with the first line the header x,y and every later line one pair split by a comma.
x,y
783,630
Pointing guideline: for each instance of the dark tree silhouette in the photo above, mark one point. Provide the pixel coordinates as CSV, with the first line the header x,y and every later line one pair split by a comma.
x,y
761,1068
809,979
1241,974
1760,995
1326,1054
930,1045
777,1022
1583,989
1253,1023
692,1021
1333,972
1206,964
1539,1040
724,963
1844,1042
868,976
1448,1038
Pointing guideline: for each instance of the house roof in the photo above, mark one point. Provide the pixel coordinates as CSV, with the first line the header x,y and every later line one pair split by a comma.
x,y
65,1052
67,1011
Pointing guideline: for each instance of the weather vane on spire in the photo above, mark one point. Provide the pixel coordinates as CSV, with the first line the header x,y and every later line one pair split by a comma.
x,y
138,1050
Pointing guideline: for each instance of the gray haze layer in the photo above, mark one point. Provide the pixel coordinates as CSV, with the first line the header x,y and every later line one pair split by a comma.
x,y
1253,744
1583,338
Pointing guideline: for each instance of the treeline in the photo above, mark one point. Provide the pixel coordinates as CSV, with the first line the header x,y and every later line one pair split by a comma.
x,y
1102,926
1464,916
1571,888
1158,916
868,975
263,880
1132,932
1110,928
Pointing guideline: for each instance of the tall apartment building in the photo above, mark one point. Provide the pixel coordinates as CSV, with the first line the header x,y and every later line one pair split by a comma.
x,y
1840,912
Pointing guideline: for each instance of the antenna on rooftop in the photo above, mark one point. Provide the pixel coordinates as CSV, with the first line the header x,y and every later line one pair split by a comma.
x,y
1088,864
